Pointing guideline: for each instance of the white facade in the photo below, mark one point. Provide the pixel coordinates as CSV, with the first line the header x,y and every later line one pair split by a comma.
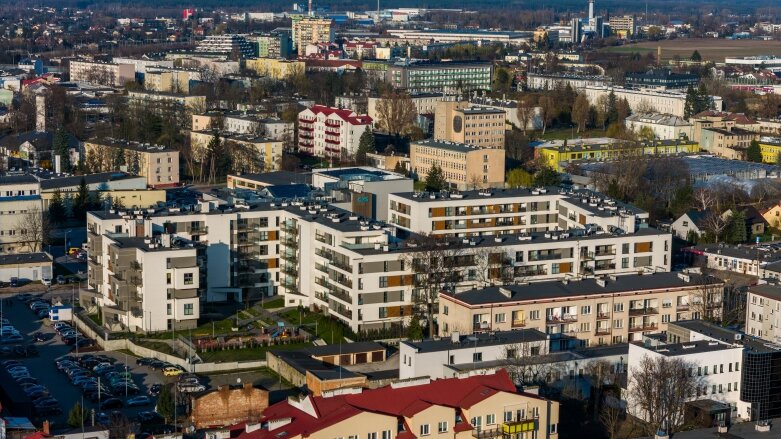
x,y
110,74
684,225
667,102
763,312
664,126
19,195
140,65
540,81
330,132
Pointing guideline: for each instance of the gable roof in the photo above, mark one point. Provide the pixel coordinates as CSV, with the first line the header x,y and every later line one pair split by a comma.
x,y
697,217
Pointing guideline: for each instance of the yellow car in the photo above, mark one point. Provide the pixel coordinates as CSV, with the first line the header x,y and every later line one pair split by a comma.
x,y
172,371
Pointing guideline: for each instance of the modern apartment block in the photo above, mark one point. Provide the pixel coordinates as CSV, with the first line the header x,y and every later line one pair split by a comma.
x,y
311,30
457,121
598,311
662,101
512,211
481,406
160,165
101,73
276,44
330,132
141,284
359,270
440,76
464,166
232,45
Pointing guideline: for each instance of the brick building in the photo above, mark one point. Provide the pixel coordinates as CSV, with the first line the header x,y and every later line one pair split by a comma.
x,y
228,405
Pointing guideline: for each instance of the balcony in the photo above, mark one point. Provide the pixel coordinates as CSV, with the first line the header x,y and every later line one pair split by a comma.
x,y
567,318
290,270
332,133
518,323
290,257
603,315
290,242
507,429
307,129
332,124
646,327
643,311
602,267
600,253
304,120
342,266
305,136
332,142
602,331
682,307
199,230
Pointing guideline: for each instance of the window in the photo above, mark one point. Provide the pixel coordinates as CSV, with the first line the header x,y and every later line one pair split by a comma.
x,y
585,310
445,310
188,309
534,315
442,427
477,356
168,278
188,278
618,307
585,327
508,416
386,434
372,435
553,428
500,318
625,248
477,421
168,309
424,431
618,323
490,419
383,281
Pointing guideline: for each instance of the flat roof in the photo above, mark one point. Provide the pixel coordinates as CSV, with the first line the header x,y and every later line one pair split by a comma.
x,y
706,328
547,290
442,144
480,110
277,178
690,348
141,244
479,339
17,179
129,144
25,258
53,182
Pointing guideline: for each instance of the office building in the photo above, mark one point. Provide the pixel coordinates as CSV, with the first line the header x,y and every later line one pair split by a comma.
x,y
457,121
311,30
662,101
430,76
20,198
160,165
330,132
511,211
101,73
485,405
464,166
604,310
232,45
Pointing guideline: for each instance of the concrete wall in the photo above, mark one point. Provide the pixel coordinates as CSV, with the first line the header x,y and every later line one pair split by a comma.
x,y
227,406
285,370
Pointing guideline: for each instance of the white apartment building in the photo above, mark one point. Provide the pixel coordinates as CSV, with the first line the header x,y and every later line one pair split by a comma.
x,y
228,44
101,73
549,81
369,188
763,312
330,132
662,101
664,126
716,365
141,64
744,259
490,212
139,283
19,195
438,358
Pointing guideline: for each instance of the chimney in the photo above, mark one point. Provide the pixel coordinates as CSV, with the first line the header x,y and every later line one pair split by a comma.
x,y
590,9
45,428
310,8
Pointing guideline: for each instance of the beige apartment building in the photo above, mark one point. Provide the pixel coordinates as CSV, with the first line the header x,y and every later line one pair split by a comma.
x,y
511,211
465,166
312,30
457,121
480,406
101,73
160,165
730,143
278,69
170,80
257,155
599,311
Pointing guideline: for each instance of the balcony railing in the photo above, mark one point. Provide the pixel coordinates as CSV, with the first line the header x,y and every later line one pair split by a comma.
x,y
646,327
682,307
518,323
199,230
603,315
561,319
643,311
602,331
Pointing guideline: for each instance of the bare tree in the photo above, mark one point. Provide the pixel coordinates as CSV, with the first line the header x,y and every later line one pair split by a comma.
x,y
580,111
645,107
437,264
715,224
492,265
525,112
527,363
396,113
547,111
610,415
33,229
703,199
659,387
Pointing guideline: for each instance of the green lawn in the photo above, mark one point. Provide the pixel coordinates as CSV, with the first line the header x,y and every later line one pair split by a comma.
x,y
247,354
329,330
277,302
97,318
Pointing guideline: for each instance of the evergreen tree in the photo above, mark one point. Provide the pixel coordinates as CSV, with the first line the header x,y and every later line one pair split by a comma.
x,y
692,102
703,98
435,180
119,159
60,148
737,228
165,403
76,416
696,56
612,107
365,146
754,152
399,168
547,176
81,201
56,207
414,330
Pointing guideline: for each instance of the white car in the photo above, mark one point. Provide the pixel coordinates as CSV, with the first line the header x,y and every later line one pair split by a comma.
x,y
46,281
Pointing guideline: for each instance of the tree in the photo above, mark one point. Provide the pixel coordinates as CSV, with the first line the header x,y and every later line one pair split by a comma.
x,y
503,80
611,109
414,330
435,179
60,148
525,112
754,152
396,113
696,56
547,111
76,416
580,111
166,403
646,133
81,200
736,231
547,176
365,146
519,177
436,263
622,110
704,102
33,229
714,225
658,389
57,211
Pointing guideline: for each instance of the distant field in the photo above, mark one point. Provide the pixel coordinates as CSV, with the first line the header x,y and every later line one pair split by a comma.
x,y
711,49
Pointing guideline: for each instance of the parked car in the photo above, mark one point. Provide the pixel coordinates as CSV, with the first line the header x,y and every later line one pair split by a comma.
x,y
60,279
138,401
171,371
155,389
47,281
111,403
14,282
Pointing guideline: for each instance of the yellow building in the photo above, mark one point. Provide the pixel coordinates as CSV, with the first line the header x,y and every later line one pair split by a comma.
x,y
772,215
260,153
457,121
277,69
770,147
158,164
312,30
557,155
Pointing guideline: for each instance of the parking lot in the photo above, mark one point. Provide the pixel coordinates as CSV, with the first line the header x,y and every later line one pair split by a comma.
x,y
58,384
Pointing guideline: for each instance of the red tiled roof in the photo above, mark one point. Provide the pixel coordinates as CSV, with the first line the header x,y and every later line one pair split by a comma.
x,y
346,115
400,402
